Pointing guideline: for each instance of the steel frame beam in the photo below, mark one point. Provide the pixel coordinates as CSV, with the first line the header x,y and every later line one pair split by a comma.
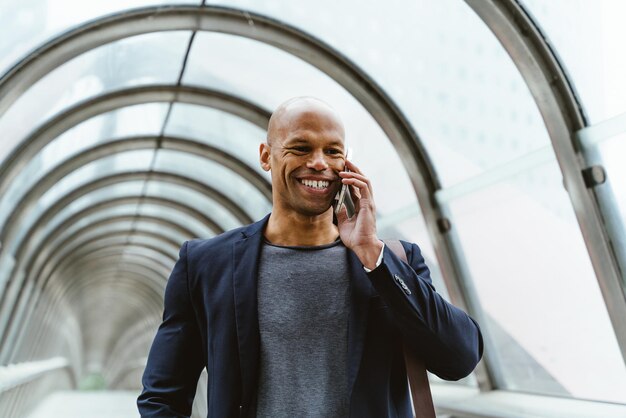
x,y
563,115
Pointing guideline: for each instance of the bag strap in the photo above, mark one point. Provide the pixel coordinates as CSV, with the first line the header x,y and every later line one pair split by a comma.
x,y
423,406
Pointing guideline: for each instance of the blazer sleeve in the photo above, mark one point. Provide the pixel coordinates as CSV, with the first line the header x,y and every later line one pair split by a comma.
x,y
449,340
175,360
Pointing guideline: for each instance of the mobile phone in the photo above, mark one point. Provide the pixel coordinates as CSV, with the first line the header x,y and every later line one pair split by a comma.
x,y
344,196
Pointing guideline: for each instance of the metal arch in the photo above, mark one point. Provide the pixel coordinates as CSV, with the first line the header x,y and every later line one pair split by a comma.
x,y
44,267
237,22
149,282
161,201
157,287
126,144
135,271
164,177
37,334
107,204
128,176
131,276
16,306
28,148
122,235
94,251
292,40
179,179
96,184
134,294
117,238
132,307
92,209
78,239
157,270
99,206
563,116
103,267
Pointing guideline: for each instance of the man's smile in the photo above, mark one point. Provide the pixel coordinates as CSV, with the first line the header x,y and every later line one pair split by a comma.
x,y
317,185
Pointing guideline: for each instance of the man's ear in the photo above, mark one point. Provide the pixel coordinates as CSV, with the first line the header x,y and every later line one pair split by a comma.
x,y
264,156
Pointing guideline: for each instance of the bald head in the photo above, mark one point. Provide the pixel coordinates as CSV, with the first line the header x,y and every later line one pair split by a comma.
x,y
294,114
305,142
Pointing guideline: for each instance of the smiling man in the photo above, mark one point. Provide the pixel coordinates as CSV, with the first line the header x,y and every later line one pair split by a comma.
x,y
298,316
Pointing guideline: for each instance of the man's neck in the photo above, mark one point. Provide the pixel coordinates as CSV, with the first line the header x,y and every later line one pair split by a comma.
x,y
293,229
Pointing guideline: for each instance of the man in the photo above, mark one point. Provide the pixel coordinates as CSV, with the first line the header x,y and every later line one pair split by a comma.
x,y
295,316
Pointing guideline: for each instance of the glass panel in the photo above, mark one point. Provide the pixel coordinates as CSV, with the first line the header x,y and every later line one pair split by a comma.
x,y
119,226
200,230
537,287
440,63
194,199
285,76
28,24
593,54
160,261
154,58
132,160
101,195
139,160
143,240
109,193
170,233
126,210
219,129
133,120
217,176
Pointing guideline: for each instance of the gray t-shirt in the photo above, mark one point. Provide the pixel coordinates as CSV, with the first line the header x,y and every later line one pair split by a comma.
x,y
303,299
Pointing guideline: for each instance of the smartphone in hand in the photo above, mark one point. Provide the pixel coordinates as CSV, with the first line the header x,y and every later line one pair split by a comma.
x,y
344,196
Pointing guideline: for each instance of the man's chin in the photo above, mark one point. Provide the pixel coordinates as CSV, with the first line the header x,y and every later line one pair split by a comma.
x,y
315,211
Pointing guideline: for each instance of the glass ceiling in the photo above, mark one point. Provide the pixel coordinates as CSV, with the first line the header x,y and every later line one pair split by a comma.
x,y
514,251
593,54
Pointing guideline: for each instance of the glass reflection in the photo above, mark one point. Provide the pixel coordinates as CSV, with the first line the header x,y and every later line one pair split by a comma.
x,y
538,290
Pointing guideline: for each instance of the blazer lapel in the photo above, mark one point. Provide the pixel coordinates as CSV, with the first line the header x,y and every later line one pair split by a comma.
x,y
246,253
360,292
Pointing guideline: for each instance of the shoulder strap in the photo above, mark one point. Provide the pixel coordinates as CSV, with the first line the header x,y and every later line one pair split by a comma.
x,y
416,370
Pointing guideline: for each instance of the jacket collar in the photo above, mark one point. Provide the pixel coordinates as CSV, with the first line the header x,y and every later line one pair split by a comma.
x,y
255,228
246,255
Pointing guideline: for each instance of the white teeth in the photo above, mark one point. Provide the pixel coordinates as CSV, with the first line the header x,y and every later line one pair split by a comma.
x,y
321,184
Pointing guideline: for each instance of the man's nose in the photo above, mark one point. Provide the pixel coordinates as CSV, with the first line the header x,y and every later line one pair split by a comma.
x,y
317,161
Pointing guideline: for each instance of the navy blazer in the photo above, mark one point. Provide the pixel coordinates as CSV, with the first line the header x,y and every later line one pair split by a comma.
x,y
210,320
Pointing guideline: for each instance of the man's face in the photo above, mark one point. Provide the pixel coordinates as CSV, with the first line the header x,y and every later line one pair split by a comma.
x,y
305,156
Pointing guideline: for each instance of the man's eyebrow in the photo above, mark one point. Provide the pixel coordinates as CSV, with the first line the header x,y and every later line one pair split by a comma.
x,y
295,141
337,143
299,140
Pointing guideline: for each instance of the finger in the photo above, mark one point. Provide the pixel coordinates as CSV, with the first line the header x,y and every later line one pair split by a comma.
x,y
359,184
350,174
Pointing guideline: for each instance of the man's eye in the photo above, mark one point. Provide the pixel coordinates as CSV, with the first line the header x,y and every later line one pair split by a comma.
x,y
301,149
333,151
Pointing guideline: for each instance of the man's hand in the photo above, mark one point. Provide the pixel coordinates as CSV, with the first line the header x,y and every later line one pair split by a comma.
x,y
359,232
